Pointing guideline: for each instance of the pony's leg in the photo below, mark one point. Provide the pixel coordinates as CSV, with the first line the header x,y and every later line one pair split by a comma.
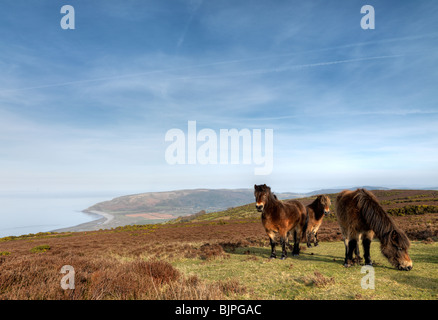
x,y
296,251
366,243
315,233
309,236
283,240
271,236
346,264
352,244
287,241
358,258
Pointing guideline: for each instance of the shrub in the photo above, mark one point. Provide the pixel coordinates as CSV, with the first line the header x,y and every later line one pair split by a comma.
x,y
413,210
210,251
40,249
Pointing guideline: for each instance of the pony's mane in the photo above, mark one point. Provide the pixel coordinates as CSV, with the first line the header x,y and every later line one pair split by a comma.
x,y
321,199
377,219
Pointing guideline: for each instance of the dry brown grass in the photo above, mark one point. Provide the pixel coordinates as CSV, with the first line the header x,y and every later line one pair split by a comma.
x,y
38,277
109,265
318,280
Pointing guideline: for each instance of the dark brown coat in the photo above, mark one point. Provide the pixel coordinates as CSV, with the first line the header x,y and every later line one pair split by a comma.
x,y
360,215
315,214
280,217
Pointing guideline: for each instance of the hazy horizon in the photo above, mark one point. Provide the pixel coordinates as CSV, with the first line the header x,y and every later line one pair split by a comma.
x,y
45,212
86,110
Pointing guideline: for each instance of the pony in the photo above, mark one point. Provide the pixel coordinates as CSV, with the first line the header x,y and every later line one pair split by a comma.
x,y
360,215
280,217
316,211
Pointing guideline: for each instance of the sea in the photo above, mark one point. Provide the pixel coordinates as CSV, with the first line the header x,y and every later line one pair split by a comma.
x,y
22,214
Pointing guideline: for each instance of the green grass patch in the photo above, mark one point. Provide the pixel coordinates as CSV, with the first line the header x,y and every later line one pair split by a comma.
x,y
40,249
35,236
413,210
318,273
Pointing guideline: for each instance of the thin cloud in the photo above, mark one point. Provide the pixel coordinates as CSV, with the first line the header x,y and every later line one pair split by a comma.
x,y
232,74
194,10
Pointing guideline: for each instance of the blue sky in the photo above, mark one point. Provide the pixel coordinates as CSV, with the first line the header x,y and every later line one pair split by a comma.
x,y
86,110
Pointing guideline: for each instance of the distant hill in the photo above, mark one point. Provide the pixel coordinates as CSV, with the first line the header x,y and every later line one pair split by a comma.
x,y
337,190
154,207
179,202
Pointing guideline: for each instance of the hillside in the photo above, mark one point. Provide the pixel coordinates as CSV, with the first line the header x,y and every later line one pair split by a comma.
x,y
395,202
217,258
156,207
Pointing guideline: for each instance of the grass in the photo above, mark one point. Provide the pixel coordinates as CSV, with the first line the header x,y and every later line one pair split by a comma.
x,y
318,273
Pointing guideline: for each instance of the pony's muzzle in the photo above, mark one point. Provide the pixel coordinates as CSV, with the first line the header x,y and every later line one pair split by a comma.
x,y
326,212
406,265
259,207
407,268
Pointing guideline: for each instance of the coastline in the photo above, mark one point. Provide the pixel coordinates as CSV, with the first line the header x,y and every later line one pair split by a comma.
x,y
103,219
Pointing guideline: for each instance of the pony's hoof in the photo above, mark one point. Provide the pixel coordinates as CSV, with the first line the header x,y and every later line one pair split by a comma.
x,y
357,260
295,254
272,257
283,258
309,246
316,244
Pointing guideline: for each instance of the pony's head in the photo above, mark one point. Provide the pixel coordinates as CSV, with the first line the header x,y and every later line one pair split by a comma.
x,y
261,194
325,202
395,249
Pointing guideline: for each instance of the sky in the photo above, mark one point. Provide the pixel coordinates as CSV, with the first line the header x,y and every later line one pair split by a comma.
x,y
86,110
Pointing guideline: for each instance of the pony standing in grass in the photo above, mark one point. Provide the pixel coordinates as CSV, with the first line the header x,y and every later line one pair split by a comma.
x,y
315,214
280,217
360,215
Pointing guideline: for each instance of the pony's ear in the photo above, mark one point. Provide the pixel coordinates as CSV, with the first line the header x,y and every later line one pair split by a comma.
x,y
265,185
255,187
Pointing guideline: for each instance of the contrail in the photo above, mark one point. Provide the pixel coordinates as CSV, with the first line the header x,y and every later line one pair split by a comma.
x,y
233,74
84,81
287,68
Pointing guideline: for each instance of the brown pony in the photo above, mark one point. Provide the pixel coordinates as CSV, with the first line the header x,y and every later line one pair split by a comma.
x,y
280,217
315,213
360,214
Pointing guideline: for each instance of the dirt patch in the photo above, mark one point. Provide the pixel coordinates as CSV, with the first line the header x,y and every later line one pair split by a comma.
x,y
150,215
318,280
